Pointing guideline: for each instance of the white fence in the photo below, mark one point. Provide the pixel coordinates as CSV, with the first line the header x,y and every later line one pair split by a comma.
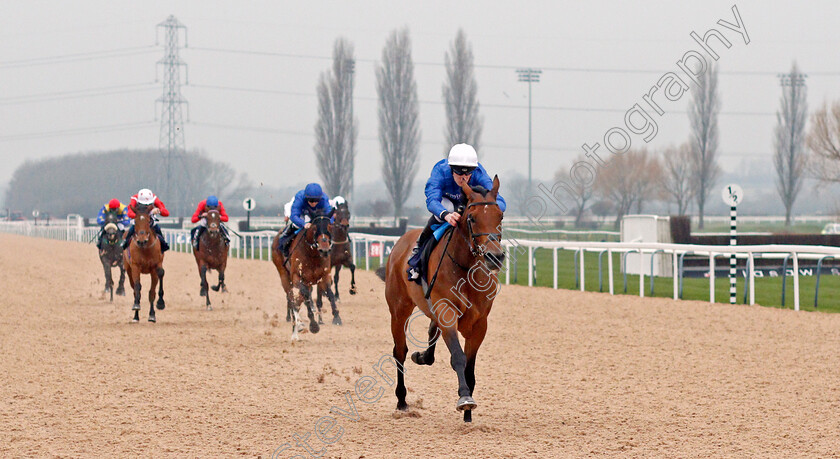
x,y
256,246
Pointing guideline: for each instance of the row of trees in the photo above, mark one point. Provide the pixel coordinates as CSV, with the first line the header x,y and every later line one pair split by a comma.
x,y
336,130
76,183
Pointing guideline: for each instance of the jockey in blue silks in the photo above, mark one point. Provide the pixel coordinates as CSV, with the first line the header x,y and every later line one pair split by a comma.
x,y
308,203
444,195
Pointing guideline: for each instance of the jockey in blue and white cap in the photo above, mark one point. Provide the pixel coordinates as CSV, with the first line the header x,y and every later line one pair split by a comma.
x,y
444,195
308,203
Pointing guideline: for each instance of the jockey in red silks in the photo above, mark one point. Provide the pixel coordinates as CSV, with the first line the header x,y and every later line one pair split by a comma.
x,y
145,197
211,203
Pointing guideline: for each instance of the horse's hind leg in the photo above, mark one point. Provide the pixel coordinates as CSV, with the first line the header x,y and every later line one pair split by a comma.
x,y
109,281
427,357
155,280
221,287
202,271
134,280
160,303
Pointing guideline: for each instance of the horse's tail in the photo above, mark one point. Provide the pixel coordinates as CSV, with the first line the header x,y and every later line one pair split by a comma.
x,y
380,272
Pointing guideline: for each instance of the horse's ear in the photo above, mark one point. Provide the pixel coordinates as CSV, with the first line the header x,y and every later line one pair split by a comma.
x,y
496,184
467,190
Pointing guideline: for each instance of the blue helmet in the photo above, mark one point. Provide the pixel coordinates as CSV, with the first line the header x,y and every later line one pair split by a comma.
x,y
312,191
212,201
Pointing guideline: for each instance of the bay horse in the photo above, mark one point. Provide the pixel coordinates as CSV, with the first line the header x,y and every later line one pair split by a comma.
x,y
308,264
110,254
212,253
463,288
341,255
143,256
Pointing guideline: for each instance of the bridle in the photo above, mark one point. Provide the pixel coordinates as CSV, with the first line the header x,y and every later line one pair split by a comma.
x,y
479,250
318,232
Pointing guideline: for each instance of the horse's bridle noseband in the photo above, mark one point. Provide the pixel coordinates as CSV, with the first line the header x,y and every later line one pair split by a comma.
x,y
478,250
314,244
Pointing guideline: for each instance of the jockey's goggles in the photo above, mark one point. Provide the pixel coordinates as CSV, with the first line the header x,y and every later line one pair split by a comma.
x,y
462,170
313,200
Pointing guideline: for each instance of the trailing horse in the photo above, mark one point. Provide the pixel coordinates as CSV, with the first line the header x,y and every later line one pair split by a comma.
x,y
143,256
340,255
463,286
110,254
212,253
308,264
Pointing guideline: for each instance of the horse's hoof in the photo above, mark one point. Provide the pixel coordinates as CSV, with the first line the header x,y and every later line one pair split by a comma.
x,y
135,307
152,319
161,305
288,319
215,288
224,289
120,292
465,403
415,357
336,320
353,291
202,292
134,321
209,308
314,327
402,406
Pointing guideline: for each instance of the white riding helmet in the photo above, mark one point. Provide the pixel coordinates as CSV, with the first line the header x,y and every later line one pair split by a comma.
x,y
463,155
337,200
145,196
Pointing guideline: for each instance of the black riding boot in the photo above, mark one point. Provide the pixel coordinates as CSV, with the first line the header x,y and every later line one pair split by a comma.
x,y
99,239
195,235
414,261
285,238
164,246
128,236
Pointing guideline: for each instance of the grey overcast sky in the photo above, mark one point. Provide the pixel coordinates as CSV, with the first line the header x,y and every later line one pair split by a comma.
x,y
254,105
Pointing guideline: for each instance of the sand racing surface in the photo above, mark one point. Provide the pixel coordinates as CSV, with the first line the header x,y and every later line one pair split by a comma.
x,y
560,373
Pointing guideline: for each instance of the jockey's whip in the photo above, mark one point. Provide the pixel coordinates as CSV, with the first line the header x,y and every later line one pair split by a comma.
x,y
434,278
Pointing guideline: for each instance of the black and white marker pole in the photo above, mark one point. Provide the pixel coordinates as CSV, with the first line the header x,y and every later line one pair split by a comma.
x,y
733,195
248,204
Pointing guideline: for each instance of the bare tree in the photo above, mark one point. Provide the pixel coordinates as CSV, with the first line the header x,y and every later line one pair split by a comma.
x,y
629,178
702,115
463,123
399,125
676,181
790,155
336,129
582,196
824,142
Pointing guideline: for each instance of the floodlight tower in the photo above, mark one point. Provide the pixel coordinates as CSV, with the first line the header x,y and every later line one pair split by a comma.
x,y
529,75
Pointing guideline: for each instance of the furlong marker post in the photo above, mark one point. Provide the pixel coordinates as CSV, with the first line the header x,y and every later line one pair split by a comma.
x,y
732,196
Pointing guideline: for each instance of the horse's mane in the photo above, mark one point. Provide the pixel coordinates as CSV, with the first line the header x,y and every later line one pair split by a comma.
x,y
480,189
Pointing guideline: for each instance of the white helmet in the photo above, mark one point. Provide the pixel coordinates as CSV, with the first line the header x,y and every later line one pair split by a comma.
x,y
463,155
145,196
337,200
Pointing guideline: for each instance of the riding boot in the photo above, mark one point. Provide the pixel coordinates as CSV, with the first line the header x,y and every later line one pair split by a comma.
x,y
286,238
128,236
225,234
195,234
164,246
414,261
100,238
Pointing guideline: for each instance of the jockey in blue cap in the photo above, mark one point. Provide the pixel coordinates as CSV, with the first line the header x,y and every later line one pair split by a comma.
x,y
308,203
444,196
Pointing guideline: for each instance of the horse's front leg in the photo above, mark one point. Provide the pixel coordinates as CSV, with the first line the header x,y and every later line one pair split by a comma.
x,y
121,287
352,267
335,282
160,303
459,364
327,288
134,279
154,276
471,345
306,293
202,272
109,281
319,303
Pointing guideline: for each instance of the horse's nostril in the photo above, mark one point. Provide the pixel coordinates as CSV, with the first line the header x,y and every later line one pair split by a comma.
x,y
495,260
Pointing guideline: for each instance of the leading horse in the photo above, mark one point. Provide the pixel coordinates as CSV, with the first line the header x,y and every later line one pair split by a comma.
x,y
464,285
212,253
111,253
308,264
144,256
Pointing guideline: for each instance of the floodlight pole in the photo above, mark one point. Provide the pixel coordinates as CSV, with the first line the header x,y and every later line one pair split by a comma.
x,y
529,75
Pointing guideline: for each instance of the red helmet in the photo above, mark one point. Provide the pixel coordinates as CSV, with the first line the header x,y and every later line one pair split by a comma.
x,y
114,204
